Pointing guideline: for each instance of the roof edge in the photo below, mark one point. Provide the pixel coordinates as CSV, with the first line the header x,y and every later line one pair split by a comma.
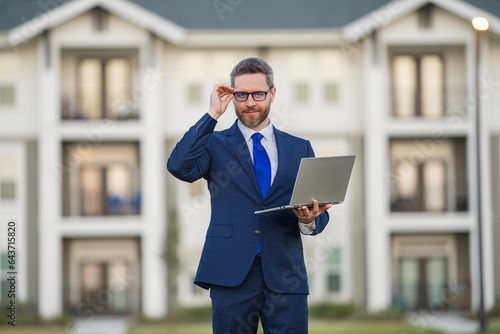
x,y
248,38
468,12
123,8
383,16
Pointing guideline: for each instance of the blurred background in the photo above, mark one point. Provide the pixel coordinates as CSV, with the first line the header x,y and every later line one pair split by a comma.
x,y
94,95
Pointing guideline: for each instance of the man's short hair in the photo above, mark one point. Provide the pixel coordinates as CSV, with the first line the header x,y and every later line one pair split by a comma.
x,y
251,66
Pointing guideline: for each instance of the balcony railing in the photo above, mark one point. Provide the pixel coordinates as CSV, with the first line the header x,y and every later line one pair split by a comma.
x,y
437,103
113,205
95,108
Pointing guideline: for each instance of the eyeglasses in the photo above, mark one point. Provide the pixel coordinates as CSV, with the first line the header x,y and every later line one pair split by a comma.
x,y
257,96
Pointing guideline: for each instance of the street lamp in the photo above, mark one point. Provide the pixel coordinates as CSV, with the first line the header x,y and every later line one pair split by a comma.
x,y
480,24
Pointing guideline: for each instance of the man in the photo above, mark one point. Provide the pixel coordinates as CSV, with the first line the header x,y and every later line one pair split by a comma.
x,y
252,264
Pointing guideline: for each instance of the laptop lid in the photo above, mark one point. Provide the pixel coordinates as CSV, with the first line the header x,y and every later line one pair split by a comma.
x,y
324,179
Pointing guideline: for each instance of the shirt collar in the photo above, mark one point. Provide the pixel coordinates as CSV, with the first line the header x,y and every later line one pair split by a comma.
x,y
267,132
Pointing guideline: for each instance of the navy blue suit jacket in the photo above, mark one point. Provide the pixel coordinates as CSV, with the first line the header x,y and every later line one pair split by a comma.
x,y
223,159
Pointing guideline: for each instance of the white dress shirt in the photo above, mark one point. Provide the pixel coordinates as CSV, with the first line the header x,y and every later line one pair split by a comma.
x,y
268,141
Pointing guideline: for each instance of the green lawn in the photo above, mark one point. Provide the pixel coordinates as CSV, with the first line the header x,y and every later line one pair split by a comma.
x,y
32,329
315,327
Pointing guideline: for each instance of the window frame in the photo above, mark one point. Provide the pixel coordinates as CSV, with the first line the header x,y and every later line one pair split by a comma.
x,y
419,98
10,82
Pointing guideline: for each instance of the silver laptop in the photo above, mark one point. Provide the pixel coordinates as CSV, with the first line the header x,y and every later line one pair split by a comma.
x,y
324,179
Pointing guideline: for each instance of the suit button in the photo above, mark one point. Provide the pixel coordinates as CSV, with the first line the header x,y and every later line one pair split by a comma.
x,y
263,207
257,232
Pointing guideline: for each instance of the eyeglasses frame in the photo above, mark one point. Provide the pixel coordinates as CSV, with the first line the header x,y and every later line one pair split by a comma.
x,y
248,95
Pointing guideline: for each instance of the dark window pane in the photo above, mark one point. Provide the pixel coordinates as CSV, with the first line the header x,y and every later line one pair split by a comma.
x,y
302,92
195,93
331,92
333,283
7,95
7,190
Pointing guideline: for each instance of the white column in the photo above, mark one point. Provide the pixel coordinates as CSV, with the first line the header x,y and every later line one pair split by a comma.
x,y
49,189
22,236
377,231
377,182
16,211
485,96
153,184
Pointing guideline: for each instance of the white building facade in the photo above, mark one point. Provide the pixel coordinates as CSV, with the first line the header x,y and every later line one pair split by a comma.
x,y
94,94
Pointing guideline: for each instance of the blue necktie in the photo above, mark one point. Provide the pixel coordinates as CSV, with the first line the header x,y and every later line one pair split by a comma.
x,y
262,166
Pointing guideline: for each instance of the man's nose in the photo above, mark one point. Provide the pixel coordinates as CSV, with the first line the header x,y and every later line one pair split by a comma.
x,y
250,101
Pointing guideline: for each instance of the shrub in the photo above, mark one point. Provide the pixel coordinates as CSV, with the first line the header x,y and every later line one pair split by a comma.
x,y
331,311
494,312
202,313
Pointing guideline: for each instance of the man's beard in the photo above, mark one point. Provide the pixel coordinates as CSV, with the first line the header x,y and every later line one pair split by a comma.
x,y
252,121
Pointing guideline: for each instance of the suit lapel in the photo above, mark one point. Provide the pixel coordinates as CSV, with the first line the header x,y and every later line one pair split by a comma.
x,y
237,142
284,152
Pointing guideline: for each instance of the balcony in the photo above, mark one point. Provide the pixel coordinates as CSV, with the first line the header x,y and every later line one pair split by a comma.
x,y
101,181
428,82
98,85
433,179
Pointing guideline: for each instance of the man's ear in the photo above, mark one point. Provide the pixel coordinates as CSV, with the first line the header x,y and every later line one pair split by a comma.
x,y
273,94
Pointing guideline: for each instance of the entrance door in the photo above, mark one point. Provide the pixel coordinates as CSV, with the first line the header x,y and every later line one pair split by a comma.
x,y
104,286
423,283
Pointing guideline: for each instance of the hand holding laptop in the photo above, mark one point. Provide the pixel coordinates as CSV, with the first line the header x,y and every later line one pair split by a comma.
x,y
307,215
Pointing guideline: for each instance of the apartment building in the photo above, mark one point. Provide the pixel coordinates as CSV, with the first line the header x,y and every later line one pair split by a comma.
x,y
94,94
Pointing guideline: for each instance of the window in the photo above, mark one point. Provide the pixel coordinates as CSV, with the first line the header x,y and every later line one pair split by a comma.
x,y
104,182
195,93
425,16
418,86
330,65
302,69
333,270
99,87
421,187
301,92
331,92
100,19
7,95
428,176
109,276
8,176
104,88
104,273
4,268
8,73
423,282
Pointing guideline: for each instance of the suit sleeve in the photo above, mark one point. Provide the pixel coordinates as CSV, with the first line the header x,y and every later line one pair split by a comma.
x,y
322,219
190,159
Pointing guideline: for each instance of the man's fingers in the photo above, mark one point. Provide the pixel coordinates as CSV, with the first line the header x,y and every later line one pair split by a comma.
x,y
224,90
228,98
306,213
